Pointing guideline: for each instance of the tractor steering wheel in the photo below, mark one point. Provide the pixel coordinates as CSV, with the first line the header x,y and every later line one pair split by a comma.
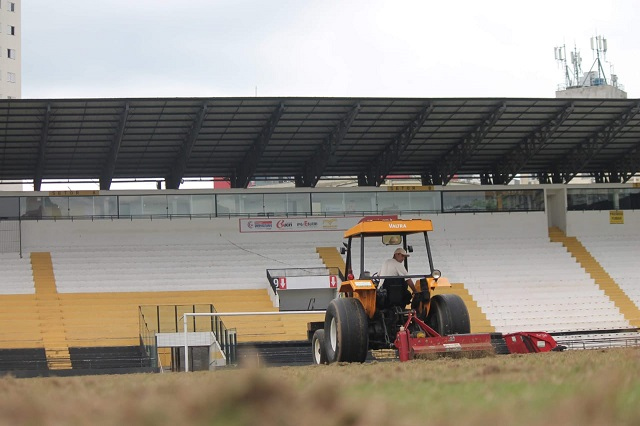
x,y
375,279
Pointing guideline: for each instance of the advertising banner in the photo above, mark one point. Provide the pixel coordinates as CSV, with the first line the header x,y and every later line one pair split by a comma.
x,y
304,224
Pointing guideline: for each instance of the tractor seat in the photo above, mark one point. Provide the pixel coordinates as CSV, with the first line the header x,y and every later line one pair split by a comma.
x,y
397,293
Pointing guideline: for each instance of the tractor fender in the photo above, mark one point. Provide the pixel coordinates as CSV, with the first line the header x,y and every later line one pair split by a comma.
x,y
364,290
440,282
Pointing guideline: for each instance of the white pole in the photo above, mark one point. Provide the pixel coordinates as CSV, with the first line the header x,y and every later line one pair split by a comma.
x,y
186,345
236,314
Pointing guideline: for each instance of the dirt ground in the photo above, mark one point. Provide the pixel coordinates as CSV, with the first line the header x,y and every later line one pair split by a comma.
x,y
570,388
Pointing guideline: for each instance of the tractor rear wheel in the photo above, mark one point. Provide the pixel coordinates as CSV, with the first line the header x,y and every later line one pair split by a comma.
x,y
346,331
448,315
318,347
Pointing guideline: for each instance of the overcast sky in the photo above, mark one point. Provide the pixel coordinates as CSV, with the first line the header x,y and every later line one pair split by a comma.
x,y
363,48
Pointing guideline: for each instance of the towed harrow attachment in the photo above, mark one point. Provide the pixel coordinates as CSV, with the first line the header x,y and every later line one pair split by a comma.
x,y
530,342
417,340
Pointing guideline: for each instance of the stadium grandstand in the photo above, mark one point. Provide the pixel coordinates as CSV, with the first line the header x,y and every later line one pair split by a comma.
x,y
533,202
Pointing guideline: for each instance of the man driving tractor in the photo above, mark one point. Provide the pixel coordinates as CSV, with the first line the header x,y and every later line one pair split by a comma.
x,y
395,267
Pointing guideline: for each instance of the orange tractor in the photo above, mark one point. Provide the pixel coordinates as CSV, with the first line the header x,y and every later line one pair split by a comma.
x,y
371,310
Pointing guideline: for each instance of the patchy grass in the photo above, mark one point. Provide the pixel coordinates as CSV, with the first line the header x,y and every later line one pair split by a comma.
x,y
570,388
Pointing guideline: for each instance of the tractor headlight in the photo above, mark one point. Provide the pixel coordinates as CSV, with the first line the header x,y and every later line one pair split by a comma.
x,y
436,274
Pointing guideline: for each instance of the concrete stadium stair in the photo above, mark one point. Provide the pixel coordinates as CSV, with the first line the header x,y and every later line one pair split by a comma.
x,y
50,312
20,322
331,257
611,289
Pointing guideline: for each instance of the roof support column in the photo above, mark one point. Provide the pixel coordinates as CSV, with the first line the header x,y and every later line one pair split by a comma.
x,y
107,173
389,156
580,156
627,166
175,175
448,165
247,167
42,151
315,167
505,169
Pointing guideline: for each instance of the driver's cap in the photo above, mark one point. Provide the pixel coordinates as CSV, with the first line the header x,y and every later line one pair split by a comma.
x,y
401,251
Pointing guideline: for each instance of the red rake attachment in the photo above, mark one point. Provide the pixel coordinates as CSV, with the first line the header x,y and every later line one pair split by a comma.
x,y
417,339
529,342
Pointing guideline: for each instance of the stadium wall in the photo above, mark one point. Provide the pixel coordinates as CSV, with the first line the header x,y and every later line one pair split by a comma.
x,y
599,223
48,234
488,225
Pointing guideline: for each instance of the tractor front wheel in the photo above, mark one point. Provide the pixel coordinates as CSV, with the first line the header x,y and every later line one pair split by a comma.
x,y
346,331
318,347
448,315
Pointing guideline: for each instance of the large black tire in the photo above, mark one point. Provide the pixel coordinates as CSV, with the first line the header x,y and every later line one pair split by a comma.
x,y
448,315
318,348
346,331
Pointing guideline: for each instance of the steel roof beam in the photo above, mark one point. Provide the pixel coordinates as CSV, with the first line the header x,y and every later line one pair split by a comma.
x,y
549,177
447,166
580,156
325,153
626,166
42,149
543,177
505,169
247,167
174,178
107,172
606,177
389,156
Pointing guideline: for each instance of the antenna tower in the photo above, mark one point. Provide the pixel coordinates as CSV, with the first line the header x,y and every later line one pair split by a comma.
x,y
596,76
599,48
592,83
571,73
561,57
576,61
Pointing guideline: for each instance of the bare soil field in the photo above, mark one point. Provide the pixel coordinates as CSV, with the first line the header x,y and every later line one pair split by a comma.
x,y
569,388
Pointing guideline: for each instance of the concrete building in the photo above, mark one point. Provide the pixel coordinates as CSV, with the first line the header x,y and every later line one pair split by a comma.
x,y
599,90
10,62
10,50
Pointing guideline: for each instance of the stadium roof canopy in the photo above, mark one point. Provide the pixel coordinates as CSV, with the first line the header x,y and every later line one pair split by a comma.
x,y
306,139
